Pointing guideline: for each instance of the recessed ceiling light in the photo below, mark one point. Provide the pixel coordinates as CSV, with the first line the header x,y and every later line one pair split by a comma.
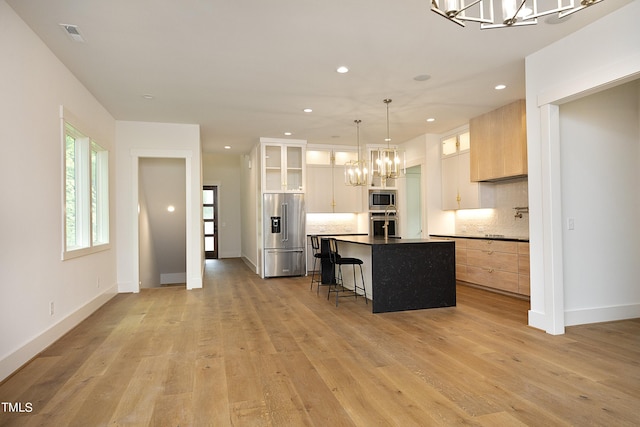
x,y
170,208
342,69
500,87
422,77
288,133
227,147
307,110
431,119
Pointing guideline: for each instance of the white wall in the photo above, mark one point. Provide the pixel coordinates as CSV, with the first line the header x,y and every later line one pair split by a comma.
x,y
414,156
149,270
600,153
600,55
224,171
250,173
137,140
438,221
33,85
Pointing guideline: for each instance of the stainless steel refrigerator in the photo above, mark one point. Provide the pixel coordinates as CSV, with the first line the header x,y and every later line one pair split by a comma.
x,y
284,234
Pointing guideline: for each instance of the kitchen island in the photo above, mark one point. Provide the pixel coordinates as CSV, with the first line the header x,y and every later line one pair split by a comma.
x,y
403,274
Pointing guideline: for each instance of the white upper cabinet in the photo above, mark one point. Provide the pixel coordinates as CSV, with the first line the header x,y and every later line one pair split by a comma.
x,y
458,192
326,188
283,165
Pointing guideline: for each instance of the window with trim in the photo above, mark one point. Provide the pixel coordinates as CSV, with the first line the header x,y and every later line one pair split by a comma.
x,y
86,201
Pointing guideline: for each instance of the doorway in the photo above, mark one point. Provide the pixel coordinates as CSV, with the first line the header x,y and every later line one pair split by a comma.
x,y
162,228
210,220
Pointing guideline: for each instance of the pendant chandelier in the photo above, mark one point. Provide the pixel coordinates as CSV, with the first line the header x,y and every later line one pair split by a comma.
x,y
506,13
387,161
355,171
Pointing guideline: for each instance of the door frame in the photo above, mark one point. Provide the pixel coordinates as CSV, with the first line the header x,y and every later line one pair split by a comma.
x,y
215,253
194,260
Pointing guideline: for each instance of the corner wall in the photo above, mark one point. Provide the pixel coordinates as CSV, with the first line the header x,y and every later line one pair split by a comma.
x,y
600,153
564,71
167,140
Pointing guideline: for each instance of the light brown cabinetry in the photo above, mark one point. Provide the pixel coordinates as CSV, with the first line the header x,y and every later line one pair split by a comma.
x,y
523,269
499,143
496,264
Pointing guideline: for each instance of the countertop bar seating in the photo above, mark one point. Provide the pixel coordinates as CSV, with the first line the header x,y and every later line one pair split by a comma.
x,y
404,274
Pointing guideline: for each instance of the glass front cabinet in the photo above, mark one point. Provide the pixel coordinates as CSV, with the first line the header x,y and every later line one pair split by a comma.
x,y
283,165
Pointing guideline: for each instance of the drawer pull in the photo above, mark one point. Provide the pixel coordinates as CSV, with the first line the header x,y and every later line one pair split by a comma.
x,y
490,270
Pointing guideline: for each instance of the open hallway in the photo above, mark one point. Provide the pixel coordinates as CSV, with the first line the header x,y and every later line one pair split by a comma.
x,y
246,351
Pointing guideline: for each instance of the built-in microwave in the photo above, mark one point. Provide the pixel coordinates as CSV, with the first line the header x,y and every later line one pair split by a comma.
x,y
380,199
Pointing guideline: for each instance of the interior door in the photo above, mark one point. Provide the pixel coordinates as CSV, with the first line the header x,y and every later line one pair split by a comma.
x,y
210,220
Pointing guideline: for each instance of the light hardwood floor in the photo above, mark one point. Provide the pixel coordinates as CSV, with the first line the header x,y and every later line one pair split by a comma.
x,y
250,352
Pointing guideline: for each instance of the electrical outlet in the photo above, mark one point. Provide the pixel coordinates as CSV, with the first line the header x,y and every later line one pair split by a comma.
x,y
51,311
571,223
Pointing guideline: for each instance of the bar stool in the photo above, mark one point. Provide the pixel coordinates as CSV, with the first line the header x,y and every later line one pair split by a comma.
x,y
317,255
337,284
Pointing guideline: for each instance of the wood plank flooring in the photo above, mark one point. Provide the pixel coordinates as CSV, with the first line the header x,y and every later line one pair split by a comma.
x,y
249,352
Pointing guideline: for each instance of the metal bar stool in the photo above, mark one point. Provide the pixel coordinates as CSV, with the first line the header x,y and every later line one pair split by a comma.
x,y
317,255
337,284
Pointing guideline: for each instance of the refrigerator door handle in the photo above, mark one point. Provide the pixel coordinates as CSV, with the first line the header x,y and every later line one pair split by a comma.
x,y
285,225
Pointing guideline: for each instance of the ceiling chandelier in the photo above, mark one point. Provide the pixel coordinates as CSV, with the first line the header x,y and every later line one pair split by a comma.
x,y
355,171
507,13
386,162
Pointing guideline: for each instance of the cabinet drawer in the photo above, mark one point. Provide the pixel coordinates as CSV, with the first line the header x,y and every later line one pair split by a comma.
x,y
461,272
493,245
523,258
524,285
493,260
523,265
460,243
493,278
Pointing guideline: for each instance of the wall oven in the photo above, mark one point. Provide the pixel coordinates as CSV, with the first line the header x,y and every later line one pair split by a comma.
x,y
376,226
380,199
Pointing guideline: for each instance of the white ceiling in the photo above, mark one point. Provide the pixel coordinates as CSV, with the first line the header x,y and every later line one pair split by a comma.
x,y
245,69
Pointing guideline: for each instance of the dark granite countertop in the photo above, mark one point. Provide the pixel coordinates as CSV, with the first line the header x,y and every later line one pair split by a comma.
x,y
368,240
484,237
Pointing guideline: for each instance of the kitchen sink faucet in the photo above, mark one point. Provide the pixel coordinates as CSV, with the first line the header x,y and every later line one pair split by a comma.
x,y
386,219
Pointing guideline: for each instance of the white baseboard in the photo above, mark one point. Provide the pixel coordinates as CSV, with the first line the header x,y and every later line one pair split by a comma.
x,y
230,254
601,314
28,351
250,264
537,320
588,315
194,283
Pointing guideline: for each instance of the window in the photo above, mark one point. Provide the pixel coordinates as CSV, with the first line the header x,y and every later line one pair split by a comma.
x,y
86,202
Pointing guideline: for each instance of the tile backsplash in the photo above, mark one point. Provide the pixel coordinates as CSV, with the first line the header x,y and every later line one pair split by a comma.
x,y
502,219
332,223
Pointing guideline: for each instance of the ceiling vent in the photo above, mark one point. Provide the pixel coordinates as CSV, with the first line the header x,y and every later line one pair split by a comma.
x,y
73,32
